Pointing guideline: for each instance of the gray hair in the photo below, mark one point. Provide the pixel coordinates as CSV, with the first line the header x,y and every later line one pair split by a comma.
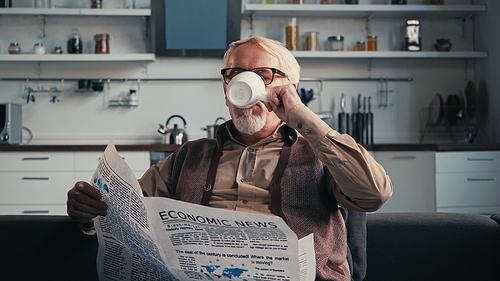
x,y
287,61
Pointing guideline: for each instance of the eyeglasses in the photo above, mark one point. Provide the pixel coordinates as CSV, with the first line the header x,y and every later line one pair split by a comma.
x,y
266,73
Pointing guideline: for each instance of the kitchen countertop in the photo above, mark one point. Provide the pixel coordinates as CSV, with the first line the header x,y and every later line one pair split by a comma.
x,y
171,147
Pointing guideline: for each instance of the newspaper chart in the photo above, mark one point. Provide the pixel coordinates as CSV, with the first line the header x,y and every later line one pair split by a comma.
x,y
153,238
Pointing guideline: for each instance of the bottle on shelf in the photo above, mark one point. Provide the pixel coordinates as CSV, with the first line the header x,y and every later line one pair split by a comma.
x,y
413,41
292,35
74,42
38,49
371,42
101,43
312,41
336,43
14,48
360,46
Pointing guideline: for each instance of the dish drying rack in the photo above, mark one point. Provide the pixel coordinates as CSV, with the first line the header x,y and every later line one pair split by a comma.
x,y
464,130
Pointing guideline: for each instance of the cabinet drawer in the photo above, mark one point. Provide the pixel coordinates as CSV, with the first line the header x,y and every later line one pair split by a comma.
x,y
26,188
33,209
36,161
412,175
87,161
468,161
468,189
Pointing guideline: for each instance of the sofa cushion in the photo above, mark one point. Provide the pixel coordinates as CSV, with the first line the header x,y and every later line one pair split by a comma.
x,y
45,248
432,246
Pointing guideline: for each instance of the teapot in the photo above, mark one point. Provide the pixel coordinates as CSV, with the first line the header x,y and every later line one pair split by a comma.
x,y
174,135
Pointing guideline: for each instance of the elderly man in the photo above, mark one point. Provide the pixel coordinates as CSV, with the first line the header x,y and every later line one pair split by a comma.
x,y
259,164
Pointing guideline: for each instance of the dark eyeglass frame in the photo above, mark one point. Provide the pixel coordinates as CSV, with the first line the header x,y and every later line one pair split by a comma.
x,y
274,70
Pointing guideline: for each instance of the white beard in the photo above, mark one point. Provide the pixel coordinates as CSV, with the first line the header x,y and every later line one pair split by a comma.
x,y
250,124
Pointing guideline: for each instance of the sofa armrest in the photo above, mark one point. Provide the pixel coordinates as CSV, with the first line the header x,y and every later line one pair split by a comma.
x,y
432,246
45,248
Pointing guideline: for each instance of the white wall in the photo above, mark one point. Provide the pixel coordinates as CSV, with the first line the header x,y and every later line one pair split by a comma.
x,y
84,118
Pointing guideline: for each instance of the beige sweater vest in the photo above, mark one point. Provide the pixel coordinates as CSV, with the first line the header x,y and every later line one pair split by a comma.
x,y
305,201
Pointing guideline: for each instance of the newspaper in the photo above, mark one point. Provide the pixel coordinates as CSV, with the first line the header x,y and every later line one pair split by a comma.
x,y
154,238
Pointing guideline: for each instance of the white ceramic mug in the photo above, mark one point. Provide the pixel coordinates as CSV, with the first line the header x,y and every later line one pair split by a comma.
x,y
245,89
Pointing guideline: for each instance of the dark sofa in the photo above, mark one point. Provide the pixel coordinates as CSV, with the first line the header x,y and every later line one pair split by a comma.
x,y
402,246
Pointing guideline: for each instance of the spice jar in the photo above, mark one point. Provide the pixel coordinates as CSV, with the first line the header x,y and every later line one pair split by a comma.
x,y
96,4
292,35
312,41
14,48
38,49
101,43
371,42
336,43
74,42
360,46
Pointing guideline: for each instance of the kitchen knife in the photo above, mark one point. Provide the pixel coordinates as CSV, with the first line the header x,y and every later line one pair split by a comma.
x,y
370,119
342,119
354,123
347,121
359,136
365,122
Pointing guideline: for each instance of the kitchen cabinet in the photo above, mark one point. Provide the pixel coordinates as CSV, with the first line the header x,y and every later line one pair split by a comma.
x,y
369,12
468,182
86,163
412,174
15,13
38,182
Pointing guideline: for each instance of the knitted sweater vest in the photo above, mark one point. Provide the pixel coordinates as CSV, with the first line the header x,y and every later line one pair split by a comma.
x,y
305,201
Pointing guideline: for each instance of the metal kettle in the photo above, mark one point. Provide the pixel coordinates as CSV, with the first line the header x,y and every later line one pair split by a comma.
x,y
211,129
174,135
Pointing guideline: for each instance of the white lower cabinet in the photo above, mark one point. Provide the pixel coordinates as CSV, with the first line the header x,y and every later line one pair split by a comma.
x,y
468,182
86,163
38,182
412,175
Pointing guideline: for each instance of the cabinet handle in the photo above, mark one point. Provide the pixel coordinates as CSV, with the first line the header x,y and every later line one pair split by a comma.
x,y
480,159
36,212
404,158
480,179
35,178
34,158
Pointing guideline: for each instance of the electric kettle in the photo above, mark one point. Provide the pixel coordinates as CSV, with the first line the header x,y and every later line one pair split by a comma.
x,y
174,135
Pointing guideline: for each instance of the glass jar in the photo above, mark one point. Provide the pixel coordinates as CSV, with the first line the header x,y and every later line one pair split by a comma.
x,y
292,35
101,43
312,41
371,42
96,4
14,48
74,42
38,49
360,46
336,43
